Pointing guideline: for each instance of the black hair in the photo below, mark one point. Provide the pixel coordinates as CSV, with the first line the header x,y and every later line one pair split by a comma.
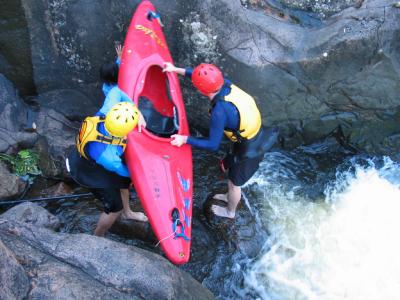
x,y
109,73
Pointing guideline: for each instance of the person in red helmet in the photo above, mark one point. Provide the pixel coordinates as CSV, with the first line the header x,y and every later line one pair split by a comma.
x,y
207,79
235,113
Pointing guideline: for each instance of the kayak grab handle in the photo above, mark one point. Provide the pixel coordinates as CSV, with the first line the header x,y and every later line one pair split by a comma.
x,y
177,222
153,15
175,214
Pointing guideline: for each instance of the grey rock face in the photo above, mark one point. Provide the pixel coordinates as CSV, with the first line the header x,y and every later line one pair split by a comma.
x,y
31,214
318,8
55,280
72,104
14,118
59,134
10,185
14,281
15,52
303,76
79,266
70,40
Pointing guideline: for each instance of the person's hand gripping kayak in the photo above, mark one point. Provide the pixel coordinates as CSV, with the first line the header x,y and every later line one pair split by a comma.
x,y
141,123
177,139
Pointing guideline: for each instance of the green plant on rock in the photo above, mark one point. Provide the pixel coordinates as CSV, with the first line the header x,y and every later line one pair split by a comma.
x,y
23,164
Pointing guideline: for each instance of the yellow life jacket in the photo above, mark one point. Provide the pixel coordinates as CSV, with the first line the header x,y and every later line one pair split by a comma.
x,y
250,117
89,133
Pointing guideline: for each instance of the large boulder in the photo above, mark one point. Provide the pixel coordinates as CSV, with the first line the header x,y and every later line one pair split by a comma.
x,y
15,123
309,80
31,214
80,266
70,40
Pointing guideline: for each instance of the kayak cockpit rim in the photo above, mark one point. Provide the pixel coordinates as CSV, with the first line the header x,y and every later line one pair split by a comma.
x,y
158,97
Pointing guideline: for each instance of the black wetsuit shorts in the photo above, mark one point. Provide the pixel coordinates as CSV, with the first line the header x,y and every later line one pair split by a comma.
x,y
111,199
240,172
104,185
245,156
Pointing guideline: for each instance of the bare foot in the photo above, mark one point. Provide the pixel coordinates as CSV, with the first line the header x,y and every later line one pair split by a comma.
x,y
137,216
221,197
222,212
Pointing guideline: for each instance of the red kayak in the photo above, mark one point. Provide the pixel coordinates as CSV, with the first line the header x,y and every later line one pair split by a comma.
x,y
161,173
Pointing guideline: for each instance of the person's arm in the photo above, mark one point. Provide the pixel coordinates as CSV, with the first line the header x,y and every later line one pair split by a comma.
x,y
189,72
118,49
217,125
168,67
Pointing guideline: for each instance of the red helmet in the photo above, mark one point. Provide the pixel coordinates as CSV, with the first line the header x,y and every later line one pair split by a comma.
x,y
207,78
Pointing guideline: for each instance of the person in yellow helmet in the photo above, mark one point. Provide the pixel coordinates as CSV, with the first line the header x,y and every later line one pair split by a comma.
x,y
235,113
97,162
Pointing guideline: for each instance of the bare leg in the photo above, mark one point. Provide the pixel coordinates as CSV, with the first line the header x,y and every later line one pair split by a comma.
x,y
221,197
127,212
105,222
234,195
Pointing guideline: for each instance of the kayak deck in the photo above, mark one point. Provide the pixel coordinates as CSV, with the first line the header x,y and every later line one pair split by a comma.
x,y
160,172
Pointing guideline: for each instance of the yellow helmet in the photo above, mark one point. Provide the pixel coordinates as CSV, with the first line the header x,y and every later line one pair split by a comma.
x,y
121,119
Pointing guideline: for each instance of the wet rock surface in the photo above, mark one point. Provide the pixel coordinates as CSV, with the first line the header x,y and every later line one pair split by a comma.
x,y
80,266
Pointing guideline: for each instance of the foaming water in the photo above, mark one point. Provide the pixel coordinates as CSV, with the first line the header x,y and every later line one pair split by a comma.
x,y
343,246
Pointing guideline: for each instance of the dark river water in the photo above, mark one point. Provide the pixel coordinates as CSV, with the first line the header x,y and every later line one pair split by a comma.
x,y
314,223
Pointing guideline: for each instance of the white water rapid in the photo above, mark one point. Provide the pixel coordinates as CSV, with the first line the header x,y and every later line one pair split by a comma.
x,y
345,246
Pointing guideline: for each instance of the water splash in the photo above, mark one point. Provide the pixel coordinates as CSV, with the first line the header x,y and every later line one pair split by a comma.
x,y
345,246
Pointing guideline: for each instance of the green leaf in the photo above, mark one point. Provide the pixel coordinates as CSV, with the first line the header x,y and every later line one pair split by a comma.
x,y
24,163
24,154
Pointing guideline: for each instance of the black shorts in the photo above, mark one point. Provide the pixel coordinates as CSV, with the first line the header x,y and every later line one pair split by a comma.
x,y
245,156
240,172
111,199
92,175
